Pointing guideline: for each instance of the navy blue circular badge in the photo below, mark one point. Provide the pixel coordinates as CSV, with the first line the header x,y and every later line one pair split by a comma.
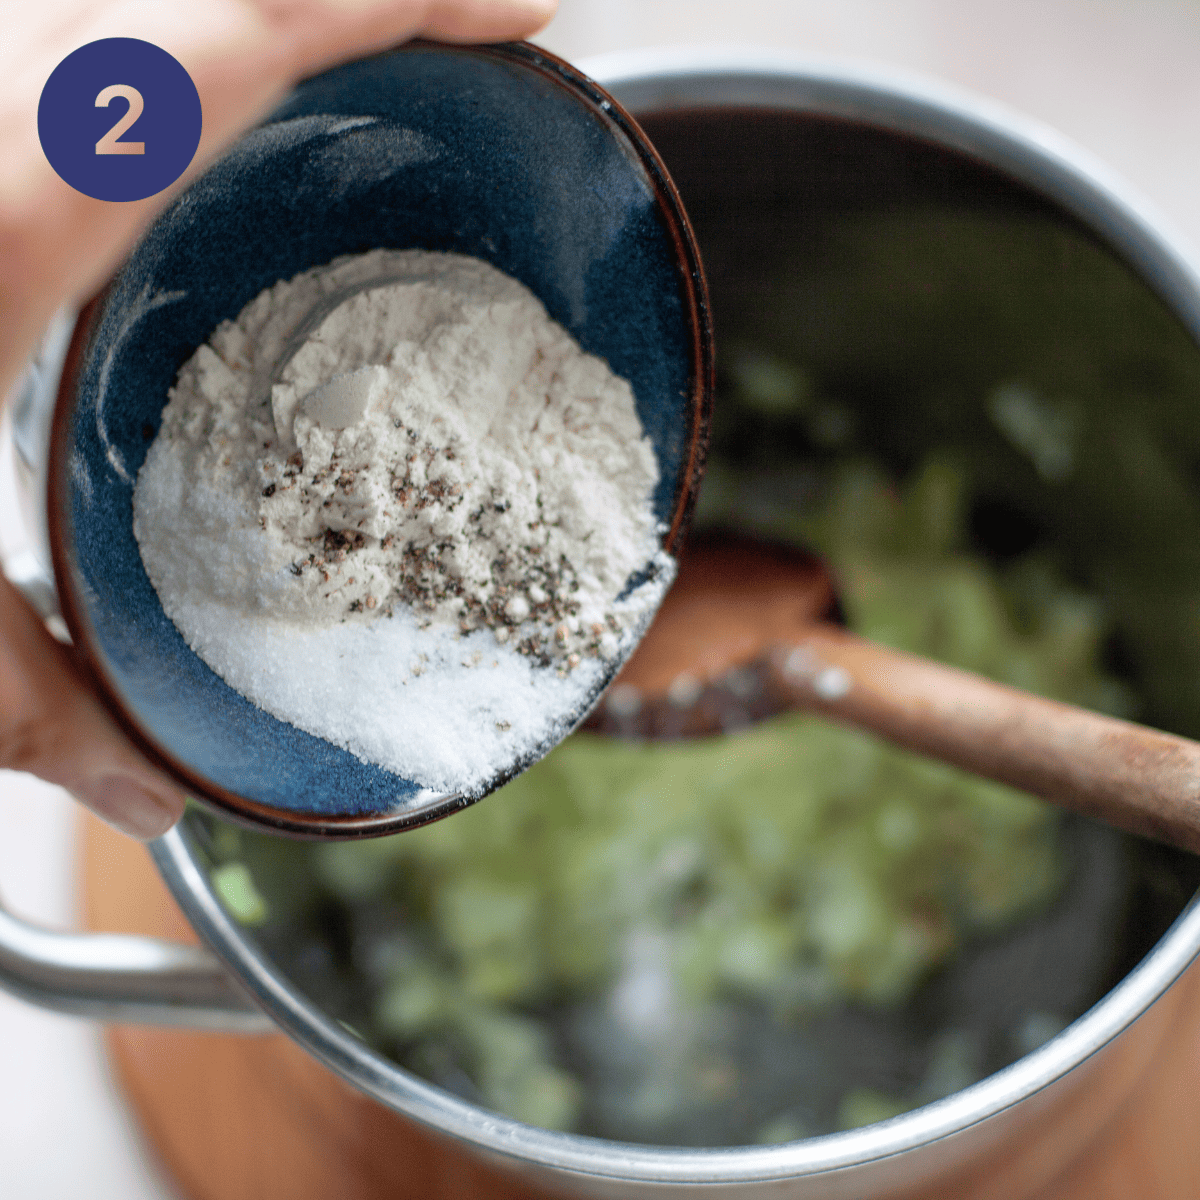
x,y
119,119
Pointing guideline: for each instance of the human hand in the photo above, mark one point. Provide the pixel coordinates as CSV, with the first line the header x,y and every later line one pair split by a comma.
x,y
58,246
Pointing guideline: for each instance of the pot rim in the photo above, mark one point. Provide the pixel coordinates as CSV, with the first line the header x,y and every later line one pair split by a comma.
x,y
693,77
908,102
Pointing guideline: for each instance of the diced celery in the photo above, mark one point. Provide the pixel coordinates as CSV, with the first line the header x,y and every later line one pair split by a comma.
x,y
234,885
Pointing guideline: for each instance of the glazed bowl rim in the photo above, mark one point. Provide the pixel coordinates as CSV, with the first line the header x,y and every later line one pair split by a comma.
x,y
906,103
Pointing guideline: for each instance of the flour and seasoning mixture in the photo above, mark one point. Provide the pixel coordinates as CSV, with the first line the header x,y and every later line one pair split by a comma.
x,y
394,504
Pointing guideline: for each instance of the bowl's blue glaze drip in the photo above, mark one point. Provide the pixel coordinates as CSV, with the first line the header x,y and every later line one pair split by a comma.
x,y
432,149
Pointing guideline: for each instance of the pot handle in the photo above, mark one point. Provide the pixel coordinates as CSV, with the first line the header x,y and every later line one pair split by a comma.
x,y
104,976
113,977
123,978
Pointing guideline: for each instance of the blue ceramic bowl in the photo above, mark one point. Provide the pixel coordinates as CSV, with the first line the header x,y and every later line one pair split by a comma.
x,y
503,152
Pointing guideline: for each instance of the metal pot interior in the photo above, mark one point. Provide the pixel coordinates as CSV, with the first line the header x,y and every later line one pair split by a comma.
x,y
907,280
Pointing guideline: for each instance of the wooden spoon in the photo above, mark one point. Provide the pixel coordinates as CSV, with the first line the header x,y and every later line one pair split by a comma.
x,y
748,630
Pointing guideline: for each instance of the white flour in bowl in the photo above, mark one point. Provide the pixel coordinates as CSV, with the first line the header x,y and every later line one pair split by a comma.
x,y
394,504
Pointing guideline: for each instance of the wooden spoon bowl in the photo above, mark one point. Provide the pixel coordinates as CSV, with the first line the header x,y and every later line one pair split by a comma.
x,y
693,674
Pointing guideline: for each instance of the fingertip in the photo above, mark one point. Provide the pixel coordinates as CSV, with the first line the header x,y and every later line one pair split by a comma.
x,y
131,805
541,13
485,21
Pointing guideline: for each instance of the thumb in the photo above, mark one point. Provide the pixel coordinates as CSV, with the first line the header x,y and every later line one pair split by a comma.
x,y
52,726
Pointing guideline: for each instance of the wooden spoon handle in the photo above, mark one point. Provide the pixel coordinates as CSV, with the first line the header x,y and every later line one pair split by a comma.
x,y
1136,778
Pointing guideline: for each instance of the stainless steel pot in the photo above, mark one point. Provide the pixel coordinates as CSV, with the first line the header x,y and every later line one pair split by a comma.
x,y
232,986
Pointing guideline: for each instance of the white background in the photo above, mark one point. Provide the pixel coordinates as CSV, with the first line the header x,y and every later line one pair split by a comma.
x,y
1122,78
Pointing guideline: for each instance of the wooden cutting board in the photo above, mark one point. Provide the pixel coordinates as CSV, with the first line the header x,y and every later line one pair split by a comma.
x,y
256,1118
